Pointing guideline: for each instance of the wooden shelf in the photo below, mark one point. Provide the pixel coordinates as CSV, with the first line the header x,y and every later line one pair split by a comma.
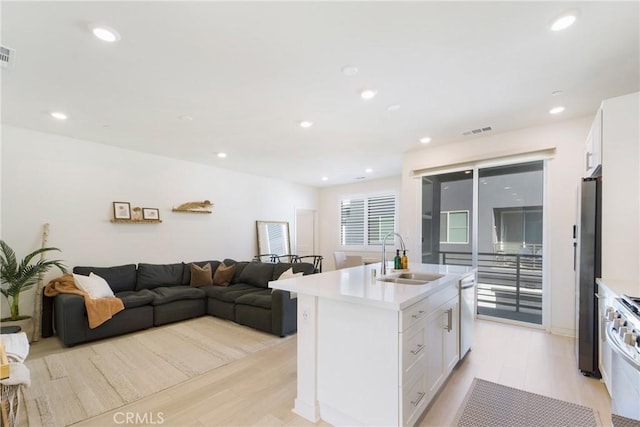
x,y
189,211
137,221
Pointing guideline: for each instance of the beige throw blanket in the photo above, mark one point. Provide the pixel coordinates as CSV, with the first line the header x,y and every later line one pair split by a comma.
x,y
99,310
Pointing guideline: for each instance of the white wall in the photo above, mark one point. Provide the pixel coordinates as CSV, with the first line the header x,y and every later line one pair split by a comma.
x,y
71,185
563,174
329,215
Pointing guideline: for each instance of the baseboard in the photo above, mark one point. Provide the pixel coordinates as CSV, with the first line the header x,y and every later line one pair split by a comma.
x,y
307,411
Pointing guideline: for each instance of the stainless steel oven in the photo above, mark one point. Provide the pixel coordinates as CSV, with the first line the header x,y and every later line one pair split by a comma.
x,y
623,337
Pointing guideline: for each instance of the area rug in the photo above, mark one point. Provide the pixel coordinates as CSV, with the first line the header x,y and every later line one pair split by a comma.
x,y
82,382
490,404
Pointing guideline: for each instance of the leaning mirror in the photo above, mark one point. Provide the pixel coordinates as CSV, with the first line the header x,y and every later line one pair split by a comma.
x,y
273,237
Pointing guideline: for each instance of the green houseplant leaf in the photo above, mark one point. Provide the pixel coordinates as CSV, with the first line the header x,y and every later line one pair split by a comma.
x,y
16,277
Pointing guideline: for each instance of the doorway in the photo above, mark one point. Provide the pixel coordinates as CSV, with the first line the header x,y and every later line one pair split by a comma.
x,y
490,218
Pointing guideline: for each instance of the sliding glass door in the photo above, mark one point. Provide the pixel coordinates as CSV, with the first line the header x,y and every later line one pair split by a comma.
x,y
506,203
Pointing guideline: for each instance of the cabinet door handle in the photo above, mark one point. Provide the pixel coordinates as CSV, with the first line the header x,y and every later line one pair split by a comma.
x,y
449,325
418,314
418,349
419,399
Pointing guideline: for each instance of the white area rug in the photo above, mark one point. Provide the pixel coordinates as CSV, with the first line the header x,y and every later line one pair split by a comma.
x,y
91,379
490,404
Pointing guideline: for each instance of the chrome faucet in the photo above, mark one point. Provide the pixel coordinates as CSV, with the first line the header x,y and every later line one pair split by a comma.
x,y
384,255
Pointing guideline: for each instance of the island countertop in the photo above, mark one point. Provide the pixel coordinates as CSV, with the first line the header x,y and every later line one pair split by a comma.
x,y
357,285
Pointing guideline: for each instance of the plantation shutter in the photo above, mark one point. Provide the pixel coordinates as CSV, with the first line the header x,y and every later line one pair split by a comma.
x,y
352,222
381,218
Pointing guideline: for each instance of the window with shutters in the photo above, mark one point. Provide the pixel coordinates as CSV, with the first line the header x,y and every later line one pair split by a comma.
x,y
365,220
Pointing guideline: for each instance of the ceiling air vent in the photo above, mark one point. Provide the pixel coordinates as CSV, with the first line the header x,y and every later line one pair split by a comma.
x,y
477,131
7,57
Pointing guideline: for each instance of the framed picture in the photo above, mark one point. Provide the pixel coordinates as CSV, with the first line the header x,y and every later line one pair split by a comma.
x,y
150,213
121,210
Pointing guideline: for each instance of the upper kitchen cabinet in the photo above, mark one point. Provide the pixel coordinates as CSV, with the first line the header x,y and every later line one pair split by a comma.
x,y
593,149
621,189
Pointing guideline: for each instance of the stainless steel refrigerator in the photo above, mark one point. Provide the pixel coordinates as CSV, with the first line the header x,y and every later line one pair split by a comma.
x,y
587,255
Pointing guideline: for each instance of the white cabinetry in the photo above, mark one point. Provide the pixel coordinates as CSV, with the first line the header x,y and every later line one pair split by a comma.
x,y
430,350
621,188
593,148
605,299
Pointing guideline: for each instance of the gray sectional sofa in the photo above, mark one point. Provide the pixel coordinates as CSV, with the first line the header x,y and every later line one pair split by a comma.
x,y
157,294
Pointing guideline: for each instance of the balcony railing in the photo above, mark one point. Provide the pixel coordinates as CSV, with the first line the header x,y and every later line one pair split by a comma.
x,y
509,284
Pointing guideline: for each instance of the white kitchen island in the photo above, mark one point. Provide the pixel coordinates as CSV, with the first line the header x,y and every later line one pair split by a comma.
x,y
373,352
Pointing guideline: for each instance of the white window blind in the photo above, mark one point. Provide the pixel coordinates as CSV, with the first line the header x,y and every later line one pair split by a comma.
x,y
366,220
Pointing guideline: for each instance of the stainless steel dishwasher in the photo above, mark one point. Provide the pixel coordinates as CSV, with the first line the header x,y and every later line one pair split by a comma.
x,y
467,312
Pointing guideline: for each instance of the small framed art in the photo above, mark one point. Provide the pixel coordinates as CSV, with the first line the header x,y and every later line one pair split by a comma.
x,y
121,210
151,213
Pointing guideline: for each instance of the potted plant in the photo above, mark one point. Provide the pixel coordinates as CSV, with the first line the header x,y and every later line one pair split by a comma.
x,y
18,277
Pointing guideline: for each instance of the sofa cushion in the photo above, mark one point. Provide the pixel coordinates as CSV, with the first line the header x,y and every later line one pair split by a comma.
x,y
132,299
186,270
239,267
298,267
257,274
200,276
288,274
229,293
93,285
165,295
223,275
152,276
120,278
261,298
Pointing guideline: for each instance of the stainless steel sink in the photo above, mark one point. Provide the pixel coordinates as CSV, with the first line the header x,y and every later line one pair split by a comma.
x,y
425,277
411,278
402,281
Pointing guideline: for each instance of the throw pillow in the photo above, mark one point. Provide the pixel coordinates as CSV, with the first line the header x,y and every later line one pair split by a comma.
x,y
93,285
288,274
224,274
201,276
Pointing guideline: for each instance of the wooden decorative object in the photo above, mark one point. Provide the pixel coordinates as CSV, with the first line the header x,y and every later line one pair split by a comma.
x,y
4,363
137,221
195,207
37,311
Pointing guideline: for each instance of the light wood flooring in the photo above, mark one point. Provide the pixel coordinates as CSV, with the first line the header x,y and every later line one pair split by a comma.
x,y
260,389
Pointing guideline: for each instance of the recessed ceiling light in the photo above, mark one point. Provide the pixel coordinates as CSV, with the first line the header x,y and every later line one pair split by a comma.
x,y
467,172
185,118
394,107
564,21
105,34
425,140
368,94
350,70
325,178
556,92
368,170
306,124
222,155
58,115
507,188
556,110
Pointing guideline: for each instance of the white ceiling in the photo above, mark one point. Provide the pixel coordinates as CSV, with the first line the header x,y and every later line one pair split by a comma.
x,y
248,72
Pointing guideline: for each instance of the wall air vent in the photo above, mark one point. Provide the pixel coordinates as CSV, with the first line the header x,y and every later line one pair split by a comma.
x,y
477,131
7,57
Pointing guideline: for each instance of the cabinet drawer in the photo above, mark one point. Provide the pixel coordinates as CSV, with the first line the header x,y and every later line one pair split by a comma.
x,y
414,400
413,352
414,313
